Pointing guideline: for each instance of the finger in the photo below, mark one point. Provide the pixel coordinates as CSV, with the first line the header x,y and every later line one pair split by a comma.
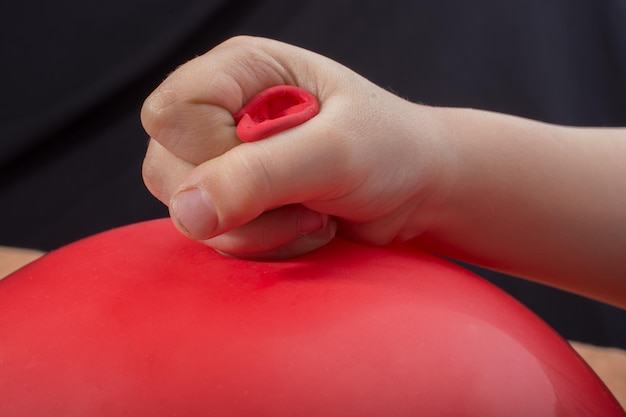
x,y
194,132
163,172
190,113
378,232
401,223
299,246
233,189
280,233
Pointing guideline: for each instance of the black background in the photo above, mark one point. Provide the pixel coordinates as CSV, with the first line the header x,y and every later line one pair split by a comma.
x,y
74,74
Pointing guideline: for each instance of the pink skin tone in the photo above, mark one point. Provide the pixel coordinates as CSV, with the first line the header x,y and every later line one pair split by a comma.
x,y
535,200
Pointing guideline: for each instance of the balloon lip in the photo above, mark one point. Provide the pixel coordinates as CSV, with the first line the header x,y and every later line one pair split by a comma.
x,y
274,110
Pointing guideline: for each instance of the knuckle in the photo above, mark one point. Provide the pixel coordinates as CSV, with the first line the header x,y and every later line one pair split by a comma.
x,y
160,108
242,41
237,40
149,173
163,173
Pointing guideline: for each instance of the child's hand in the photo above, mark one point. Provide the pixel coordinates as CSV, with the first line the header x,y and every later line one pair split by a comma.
x,y
357,167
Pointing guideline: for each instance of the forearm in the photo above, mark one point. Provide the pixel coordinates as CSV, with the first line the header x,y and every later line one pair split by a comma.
x,y
535,200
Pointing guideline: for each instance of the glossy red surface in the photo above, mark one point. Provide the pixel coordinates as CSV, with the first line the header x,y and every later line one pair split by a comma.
x,y
141,321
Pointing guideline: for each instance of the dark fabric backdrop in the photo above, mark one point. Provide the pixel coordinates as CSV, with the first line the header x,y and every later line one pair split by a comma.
x,y
74,75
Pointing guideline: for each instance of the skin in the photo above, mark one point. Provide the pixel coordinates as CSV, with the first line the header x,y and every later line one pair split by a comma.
x,y
535,200
609,364
12,259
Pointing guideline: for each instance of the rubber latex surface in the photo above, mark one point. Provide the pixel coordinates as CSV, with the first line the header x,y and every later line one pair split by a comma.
x,y
274,110
141,321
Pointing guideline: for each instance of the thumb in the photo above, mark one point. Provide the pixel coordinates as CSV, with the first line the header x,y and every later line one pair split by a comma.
x,y
235,188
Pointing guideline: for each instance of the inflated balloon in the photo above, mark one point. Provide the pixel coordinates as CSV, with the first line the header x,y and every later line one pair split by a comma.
x,y
274,110
141,321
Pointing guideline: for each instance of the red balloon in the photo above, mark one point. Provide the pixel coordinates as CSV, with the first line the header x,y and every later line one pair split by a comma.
x,y
141,321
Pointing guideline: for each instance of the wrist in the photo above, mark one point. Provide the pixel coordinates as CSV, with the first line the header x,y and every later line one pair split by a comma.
x,y
432,164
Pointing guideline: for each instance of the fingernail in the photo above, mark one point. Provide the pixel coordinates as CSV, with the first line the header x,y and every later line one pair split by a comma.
x,y
194,213
311,221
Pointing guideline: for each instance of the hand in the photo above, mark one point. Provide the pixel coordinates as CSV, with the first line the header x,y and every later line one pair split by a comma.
x,y
364,166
